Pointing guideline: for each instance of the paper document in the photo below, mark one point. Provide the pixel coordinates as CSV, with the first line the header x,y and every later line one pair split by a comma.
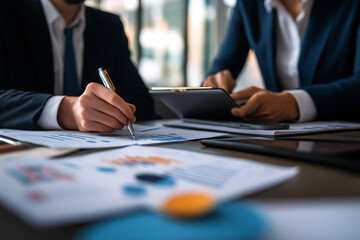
x,y
294,129
74,139
56,192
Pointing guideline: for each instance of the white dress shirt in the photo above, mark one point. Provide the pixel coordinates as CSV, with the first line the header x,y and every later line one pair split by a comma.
x,y
56,25
289,36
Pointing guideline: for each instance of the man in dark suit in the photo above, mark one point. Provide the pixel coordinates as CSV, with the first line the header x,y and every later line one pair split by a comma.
x,y
309,55
50,52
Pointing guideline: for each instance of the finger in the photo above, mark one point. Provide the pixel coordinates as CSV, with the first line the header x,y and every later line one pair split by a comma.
x,y
210,82
220,80
133,108
113,99
248,109
270,118
99,117
225,80
98,104
262,119
96,127
264,115
256,117
245,93
106,120
87,125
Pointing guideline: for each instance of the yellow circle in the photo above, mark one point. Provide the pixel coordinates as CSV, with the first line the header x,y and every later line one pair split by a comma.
x,y
189,205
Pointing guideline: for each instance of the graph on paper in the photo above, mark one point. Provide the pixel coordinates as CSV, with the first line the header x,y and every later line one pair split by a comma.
x,y
203,174
72,139
148,134
133,161
72,189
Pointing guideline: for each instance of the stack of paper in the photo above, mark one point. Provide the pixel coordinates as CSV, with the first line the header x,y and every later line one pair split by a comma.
x,y
294,129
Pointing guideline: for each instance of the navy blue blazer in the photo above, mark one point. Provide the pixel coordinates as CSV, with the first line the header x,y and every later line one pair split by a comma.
x,y
26,62
329,63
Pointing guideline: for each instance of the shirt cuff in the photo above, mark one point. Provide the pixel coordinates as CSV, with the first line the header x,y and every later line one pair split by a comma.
x,y
307,108
48,117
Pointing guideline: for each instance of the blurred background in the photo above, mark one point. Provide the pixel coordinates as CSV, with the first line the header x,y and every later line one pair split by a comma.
x,y
173,42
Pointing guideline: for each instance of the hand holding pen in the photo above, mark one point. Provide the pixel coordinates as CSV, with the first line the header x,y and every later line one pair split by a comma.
x,y
98,109
108,83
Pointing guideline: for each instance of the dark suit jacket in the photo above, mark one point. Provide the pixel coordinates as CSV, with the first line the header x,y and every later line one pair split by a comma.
x,y
26,62
329,63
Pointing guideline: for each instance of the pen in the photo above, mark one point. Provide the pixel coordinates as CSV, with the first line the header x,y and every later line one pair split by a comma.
x,y
10,140
108,83
9,144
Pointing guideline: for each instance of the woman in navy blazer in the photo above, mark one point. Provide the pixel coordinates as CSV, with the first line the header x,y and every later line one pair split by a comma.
x,y
328,63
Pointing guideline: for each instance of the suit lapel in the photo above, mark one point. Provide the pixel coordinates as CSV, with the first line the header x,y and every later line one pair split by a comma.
x,y
273,86
37,34
94,43
315,39
268,53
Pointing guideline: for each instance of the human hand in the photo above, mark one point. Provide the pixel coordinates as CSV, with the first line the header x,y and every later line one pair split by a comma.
x,y
221,79
265,106
97,109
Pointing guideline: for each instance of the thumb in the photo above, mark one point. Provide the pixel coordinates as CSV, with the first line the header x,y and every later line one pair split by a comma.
x,y
245,93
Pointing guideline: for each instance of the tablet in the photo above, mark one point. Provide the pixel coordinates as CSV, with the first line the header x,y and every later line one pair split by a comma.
x,y
197,103
210,106
333,153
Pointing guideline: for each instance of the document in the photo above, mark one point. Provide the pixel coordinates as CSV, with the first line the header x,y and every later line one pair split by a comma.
x,y
294,129
73,139
58,192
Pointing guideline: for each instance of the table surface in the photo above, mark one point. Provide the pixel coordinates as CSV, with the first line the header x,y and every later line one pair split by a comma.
x,y
314,181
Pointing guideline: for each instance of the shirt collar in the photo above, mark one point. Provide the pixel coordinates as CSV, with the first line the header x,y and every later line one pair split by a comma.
x,y
269,4
52,14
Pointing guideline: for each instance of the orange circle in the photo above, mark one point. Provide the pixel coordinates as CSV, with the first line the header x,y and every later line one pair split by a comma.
x,y
189,205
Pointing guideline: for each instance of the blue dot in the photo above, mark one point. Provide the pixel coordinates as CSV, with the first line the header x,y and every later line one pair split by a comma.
x,y
91,141
155,179
105,141
166,182
134,190
106,169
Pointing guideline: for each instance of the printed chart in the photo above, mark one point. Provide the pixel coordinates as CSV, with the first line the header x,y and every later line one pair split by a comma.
x,y
53,193
133,161
71,139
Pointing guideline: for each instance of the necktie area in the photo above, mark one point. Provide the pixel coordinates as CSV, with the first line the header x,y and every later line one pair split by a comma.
x,y
71,82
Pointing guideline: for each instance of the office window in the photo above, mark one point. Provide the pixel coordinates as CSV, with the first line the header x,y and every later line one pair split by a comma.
x,y
208,20
173,42
162,42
